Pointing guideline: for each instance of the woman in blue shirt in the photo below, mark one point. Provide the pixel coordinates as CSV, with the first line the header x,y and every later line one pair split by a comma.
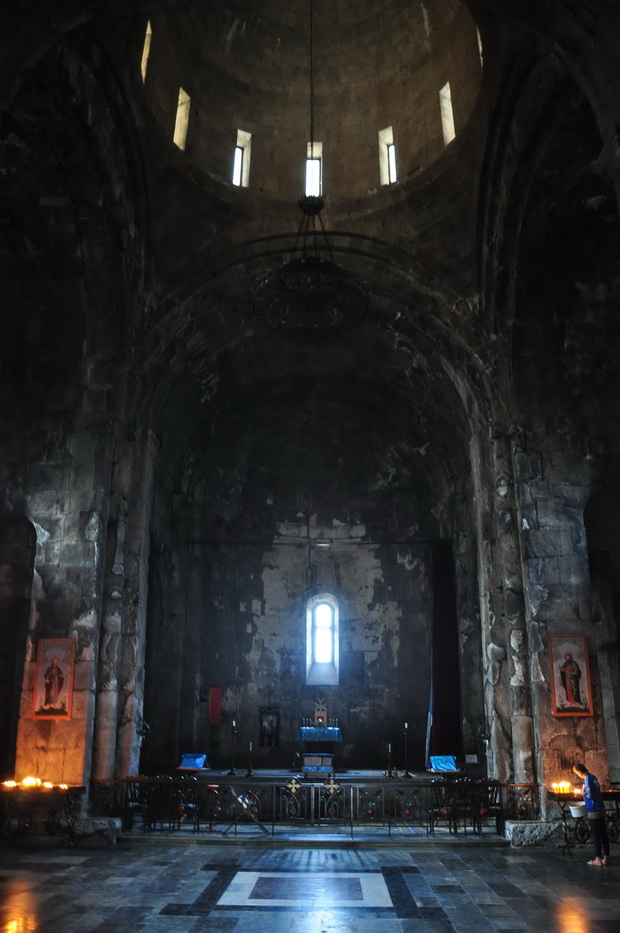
x,y
595,810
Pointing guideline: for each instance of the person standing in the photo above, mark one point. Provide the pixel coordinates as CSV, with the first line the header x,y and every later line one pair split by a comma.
x,y
595,810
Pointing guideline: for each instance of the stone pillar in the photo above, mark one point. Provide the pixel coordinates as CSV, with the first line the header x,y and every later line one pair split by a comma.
x,y
504,635
554,487
120,687
510,557
69,521
107,699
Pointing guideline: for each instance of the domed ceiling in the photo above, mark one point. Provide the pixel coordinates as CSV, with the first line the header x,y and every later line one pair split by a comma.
x,y
375,66
368,421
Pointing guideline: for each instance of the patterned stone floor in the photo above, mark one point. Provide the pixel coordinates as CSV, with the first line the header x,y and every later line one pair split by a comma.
x,y
200,887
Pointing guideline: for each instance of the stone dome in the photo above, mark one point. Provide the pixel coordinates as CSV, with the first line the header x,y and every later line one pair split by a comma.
x,y
375,66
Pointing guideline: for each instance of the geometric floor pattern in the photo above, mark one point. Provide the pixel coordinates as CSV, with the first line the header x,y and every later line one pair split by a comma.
x,y
203,888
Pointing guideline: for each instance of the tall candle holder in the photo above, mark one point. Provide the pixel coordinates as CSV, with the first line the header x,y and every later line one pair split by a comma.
x,y
248,773
234,742
407,774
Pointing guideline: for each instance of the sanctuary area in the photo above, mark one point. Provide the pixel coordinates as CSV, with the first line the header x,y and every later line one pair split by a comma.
x,y
310,391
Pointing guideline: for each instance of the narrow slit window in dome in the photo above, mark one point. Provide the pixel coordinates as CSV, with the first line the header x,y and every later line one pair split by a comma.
x,y
447,114
387,156
182,120
314,170
241,160
146,50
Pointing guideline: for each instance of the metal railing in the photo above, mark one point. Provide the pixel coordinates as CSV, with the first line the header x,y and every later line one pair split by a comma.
x,y
224,804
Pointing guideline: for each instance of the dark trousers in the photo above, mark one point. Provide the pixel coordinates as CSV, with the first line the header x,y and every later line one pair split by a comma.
x,y
598,828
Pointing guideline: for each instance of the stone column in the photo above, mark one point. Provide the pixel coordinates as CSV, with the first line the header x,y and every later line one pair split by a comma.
x,y
120,687
107,700
504,633
554,487
511,563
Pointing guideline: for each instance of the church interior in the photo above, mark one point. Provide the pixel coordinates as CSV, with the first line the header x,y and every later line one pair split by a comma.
x,y
309,388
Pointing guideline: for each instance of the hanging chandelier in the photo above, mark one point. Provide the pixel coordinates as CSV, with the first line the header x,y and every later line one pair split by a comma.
x,y
311,294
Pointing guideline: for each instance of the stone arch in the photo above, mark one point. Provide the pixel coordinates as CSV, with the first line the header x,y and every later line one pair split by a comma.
x,y
558,289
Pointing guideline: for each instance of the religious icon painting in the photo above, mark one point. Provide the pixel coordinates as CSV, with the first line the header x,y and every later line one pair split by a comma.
x,y
53,685
570,675
269,731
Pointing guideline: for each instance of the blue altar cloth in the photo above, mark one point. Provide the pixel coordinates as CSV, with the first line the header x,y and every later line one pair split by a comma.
x,y
319,734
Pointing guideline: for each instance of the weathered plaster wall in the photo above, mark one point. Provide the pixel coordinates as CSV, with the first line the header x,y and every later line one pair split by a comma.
x,y
248,626
66,593
384,599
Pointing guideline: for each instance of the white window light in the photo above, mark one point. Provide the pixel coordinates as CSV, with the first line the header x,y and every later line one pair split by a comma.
x,y
387,156
322,643
241,160
447,114
480,52
314,170
182,119
323,647
146,50
392,162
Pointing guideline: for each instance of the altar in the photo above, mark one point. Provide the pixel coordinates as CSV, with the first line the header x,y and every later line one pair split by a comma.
x,y
319,741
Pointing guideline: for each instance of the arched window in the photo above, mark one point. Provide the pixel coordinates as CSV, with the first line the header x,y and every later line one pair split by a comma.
x,y
322,652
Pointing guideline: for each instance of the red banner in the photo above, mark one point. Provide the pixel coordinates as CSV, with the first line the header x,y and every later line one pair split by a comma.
x,y
215,705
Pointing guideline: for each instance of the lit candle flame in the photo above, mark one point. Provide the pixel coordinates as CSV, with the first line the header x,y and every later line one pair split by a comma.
x,y
34,782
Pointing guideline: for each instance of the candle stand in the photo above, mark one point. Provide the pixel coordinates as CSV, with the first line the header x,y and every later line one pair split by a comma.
x,y
249,772
407,773
232,754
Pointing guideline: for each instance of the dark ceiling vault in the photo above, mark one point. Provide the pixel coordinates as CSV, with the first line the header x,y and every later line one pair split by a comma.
x,y
394,403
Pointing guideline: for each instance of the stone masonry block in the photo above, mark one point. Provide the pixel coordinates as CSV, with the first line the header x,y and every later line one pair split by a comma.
x,y
522,833
566,467
541,543
553,512
526,466
543,570
574,571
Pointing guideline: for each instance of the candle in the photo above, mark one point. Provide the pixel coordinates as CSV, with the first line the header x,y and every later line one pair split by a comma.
x,y
389,746
250,746
406,725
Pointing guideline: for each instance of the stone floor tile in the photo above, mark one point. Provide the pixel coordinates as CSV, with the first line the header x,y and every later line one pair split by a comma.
x,y
196,888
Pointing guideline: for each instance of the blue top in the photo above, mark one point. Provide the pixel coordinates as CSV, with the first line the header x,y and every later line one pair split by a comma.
x,y
592,796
